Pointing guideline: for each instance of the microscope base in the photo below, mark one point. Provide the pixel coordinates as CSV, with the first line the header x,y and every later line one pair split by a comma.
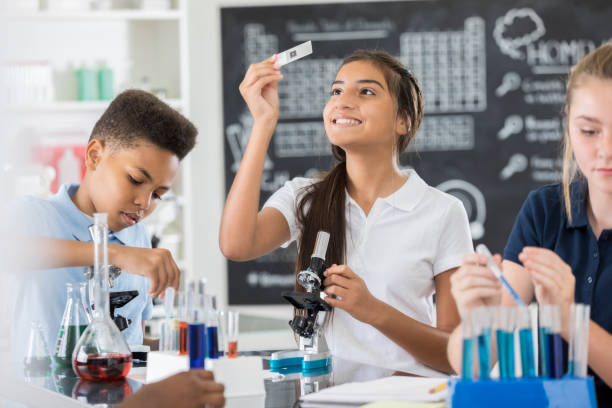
x,y
289,359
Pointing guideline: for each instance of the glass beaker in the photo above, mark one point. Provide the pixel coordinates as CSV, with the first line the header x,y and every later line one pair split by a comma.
x,y
101,353
74,323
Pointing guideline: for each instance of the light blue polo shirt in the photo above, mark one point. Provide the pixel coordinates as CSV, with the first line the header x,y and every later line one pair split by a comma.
x,y
41,295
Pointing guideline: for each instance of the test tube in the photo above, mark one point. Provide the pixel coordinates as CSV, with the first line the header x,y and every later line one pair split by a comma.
x,y
550,333
467,331
526,342
183,322
222,314
579,339
233,320
167,332
212,323
505,322
483,324
197,333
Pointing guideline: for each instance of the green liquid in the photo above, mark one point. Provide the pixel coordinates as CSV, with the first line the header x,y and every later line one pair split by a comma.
x,y
67,340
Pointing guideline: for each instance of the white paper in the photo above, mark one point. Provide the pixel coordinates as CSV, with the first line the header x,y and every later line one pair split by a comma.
x,y
394,388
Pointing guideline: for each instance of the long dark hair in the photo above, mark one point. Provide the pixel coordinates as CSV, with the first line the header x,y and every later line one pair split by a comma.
x,y
322,204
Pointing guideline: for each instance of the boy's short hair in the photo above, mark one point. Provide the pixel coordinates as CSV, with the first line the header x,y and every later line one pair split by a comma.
x,y
136,115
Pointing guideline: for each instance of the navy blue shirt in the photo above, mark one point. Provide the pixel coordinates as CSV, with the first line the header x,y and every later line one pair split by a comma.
x,y
542,222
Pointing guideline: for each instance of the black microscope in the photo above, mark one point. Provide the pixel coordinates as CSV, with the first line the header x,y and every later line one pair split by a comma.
x,y
117,299
313,352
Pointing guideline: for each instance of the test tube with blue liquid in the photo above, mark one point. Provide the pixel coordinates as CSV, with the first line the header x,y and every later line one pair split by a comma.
x,y
467,331
197,328
212,330
483,322
550,341
505,322
526,342
483,250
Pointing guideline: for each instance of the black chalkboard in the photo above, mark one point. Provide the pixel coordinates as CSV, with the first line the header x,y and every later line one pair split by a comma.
x,y
493,79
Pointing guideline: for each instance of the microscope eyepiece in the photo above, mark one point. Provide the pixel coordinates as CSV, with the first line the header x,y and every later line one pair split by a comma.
x,y
320,247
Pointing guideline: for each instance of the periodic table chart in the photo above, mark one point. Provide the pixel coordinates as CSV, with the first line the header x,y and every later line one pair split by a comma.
x,y
492,76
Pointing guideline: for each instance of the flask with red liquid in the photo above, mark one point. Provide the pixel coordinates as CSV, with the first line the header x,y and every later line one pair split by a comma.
x,y
101,353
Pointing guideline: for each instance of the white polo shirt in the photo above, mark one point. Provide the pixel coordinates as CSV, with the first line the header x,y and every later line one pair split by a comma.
x,y
406,240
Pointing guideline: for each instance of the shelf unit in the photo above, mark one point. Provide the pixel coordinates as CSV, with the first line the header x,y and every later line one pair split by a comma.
x,y
135,44
134,15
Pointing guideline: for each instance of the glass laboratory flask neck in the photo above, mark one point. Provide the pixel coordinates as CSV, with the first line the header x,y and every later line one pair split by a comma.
x,y
101,353
101,300
74,322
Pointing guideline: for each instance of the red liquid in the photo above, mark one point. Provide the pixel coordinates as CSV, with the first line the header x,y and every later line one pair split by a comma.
x,y
103,367
183,327
232,349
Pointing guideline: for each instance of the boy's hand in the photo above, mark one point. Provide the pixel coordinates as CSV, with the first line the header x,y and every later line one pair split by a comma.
x,y
156,264
189,389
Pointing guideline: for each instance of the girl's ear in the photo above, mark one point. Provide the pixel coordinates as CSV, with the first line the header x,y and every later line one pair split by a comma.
x,y
402,125
93,153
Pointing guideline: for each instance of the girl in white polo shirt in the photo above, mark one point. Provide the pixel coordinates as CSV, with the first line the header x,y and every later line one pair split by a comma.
x,y
395,241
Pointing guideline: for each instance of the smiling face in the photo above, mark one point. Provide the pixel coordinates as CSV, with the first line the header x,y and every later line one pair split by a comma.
x,y
127,183
361,112
590,131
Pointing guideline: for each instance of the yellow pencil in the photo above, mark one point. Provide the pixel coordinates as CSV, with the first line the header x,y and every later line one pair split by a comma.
x,y
439,387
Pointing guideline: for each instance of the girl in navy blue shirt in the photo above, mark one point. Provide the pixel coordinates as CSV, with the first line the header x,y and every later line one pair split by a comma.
x,y
560,249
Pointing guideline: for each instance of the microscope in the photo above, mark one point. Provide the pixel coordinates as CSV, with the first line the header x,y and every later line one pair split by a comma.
x,y
117,299
313,353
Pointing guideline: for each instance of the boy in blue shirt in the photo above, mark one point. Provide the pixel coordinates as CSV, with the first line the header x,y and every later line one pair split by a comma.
x,y
132,157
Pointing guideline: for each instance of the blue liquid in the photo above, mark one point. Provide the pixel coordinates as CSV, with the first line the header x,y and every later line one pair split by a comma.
x,y
510,354
527,359
197,345
556,355
505,353
544,354
570,368
212,340
501,355
484,354
467,363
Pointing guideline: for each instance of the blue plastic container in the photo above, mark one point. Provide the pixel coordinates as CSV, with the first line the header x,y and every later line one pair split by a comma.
x,y
523,393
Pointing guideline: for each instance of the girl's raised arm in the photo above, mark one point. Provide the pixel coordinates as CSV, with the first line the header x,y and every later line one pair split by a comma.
x,y
245,232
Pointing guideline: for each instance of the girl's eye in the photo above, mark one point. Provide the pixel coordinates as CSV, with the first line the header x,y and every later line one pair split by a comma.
x,y
335,91
134,181
156,196
366,91
588,132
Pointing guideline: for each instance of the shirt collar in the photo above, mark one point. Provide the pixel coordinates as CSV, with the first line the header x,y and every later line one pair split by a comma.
x,y
578,194
82,221
407,196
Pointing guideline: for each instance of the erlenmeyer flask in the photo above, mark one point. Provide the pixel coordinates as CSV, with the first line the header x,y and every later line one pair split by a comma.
x,y
74,323
101,353
36,362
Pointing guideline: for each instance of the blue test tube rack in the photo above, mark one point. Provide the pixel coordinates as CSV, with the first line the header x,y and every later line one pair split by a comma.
x,y
567,392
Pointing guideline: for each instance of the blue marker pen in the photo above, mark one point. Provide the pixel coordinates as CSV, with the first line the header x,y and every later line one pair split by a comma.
x,y
483,250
